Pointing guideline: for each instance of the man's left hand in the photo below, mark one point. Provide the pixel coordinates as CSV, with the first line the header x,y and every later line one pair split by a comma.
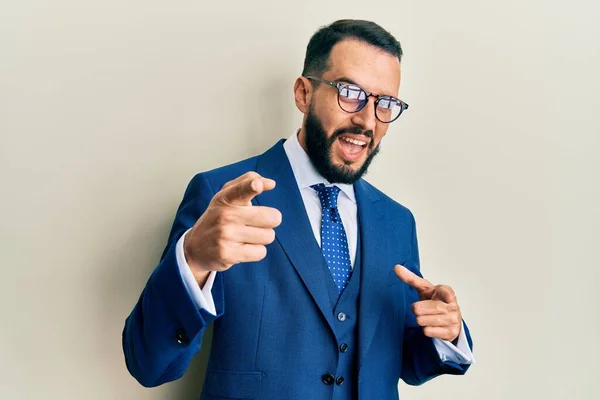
x,y
437,311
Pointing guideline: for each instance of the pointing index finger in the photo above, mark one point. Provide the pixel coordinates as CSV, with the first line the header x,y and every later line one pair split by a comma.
x,y
241,193
412,279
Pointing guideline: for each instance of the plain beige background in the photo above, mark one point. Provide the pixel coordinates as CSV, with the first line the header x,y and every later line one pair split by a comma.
x,y
108,108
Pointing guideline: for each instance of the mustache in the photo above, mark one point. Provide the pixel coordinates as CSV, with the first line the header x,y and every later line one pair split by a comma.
x,y
353,130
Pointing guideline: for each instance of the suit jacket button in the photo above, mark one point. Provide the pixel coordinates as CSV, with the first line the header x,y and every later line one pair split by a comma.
x,y
328,379
181,337
341,317
343,347
340,380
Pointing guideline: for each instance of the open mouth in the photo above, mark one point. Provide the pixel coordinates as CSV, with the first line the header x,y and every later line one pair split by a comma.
x,y
352,149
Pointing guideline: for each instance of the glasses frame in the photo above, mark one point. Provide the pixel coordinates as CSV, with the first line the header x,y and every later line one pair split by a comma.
x,y
341,85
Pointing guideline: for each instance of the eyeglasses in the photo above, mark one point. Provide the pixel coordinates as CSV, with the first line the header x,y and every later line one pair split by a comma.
x,y
352,98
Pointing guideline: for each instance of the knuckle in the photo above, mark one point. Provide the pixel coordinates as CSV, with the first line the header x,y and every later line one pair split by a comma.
x,y
225,191
251,175
215,200
220,198
227,231
263,252
271,217
222,252
260,252
270,236
226,215
219,228
277,217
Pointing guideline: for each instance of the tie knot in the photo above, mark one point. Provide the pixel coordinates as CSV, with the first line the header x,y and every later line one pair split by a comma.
x,y
327,194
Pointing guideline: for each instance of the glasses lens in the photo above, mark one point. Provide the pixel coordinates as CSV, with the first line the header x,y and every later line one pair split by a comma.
x,y
351,97
388,108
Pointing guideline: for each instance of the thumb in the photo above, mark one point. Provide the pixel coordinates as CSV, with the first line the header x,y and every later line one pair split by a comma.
x,y
412,279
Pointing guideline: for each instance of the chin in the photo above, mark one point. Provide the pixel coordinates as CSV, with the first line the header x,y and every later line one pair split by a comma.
x,y
351,165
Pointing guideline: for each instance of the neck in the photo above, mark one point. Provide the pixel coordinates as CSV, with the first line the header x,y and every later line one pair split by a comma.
x,y
302,138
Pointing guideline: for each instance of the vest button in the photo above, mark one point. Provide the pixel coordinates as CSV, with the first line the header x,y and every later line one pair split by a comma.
x,y
340,380
328,379
343,347
341,317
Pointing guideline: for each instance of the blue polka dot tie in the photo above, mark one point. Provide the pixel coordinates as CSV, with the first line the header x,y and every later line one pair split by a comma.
x,y
334,243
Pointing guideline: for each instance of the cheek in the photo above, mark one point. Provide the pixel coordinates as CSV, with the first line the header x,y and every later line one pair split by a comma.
x,y
380,131
333,117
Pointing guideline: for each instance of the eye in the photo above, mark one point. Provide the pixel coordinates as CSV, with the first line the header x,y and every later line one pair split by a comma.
x,y
388,103
352,92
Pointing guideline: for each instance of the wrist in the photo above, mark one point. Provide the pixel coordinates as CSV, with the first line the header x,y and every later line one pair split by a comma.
x,y
200,274
201,277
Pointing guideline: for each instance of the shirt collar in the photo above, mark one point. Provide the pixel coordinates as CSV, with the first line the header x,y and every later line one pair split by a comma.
x,y
304,171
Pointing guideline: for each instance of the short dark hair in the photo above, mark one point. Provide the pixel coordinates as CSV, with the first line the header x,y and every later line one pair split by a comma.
x,y
319,47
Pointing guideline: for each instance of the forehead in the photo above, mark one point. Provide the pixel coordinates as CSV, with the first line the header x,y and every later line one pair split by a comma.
x,y
366,65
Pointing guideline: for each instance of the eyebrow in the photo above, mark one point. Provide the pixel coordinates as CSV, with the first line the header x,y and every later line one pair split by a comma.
x,y
345,79
348,80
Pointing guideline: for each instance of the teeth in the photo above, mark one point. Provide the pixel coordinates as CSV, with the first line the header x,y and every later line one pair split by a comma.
x,y
356,142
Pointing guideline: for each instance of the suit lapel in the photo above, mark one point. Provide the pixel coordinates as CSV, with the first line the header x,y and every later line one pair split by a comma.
x,y
375,273
297,240
295,234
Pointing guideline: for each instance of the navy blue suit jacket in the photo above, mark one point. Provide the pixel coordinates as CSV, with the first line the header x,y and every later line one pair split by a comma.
x,y
273,335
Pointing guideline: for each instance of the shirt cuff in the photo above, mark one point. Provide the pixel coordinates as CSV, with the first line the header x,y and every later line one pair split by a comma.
x,y
460,354
201,297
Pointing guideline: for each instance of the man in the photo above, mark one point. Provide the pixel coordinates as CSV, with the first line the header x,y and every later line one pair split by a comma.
x,y
309,273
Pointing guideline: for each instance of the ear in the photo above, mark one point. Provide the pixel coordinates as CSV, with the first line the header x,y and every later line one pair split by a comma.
x,y
303,92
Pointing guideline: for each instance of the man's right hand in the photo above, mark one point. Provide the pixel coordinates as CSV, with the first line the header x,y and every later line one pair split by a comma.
x,y
232,230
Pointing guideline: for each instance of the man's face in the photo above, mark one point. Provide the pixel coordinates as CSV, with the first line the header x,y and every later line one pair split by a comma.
x,y
328,129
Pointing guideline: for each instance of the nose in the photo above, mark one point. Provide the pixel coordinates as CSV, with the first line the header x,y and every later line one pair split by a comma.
x,y
365,118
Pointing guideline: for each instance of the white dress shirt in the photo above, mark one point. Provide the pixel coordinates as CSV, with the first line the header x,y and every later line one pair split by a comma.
x,y
306,175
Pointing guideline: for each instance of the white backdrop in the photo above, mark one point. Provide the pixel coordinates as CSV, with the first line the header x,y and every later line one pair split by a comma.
x,y
108,108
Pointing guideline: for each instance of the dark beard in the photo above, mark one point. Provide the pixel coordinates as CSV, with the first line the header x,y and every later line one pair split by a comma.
x,y
318,147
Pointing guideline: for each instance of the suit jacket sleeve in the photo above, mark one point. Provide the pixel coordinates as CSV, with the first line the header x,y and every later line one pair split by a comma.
x,y
420,359
164,330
